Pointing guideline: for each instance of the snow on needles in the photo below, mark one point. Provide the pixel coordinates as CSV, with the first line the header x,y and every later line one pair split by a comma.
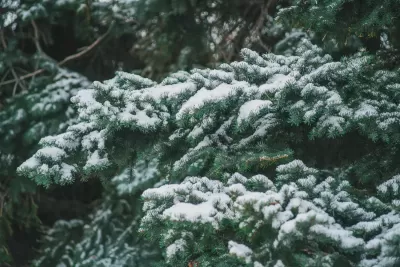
x,y
252,107
240,251
288,210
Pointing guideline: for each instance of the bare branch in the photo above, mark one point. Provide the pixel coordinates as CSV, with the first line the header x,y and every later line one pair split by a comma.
x,y
3,41
260,21
36,37
15,89
36,40
87,49
5,75
67,59
24,77
17,80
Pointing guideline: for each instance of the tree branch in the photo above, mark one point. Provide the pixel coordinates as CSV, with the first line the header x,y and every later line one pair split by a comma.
x,y
36,40
3,42
67,59
260,21
17,80
87,49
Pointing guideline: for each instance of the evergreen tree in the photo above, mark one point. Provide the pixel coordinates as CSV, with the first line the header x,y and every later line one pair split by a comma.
x,y
203,33
24,121
324,132
376,23
51,49
35,87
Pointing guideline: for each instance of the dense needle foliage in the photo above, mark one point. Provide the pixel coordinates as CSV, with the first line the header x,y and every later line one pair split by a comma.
x,y
225,137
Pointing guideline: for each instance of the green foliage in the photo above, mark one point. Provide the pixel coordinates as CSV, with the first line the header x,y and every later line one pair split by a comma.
x,y
35,90
301,218
306,99
37,40
199,146
254,116
109,238
204,33
370,20
25,119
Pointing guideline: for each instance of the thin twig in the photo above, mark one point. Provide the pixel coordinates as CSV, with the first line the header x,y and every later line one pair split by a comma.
x,y
36,37
88,49
260,21
34,76
24,77
21,70
3,42
36,40
5,76
1,204
17,80
15,89
66,60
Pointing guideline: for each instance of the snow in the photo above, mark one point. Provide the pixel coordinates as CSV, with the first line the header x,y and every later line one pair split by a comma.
x,y
192,152
343,237
252,107
227,77
51,152
275,84
367,227
236,178
237,189
203,96
295,164
313,90
20,114
164,191
193,213
168,91
214,201
85,97
66,141
9,18
205,212
93,138
392,185
178,245
140,118
198,130
261,179
94,160
240,251
30,163
133,177
296,199
279,263
262,126
66,172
